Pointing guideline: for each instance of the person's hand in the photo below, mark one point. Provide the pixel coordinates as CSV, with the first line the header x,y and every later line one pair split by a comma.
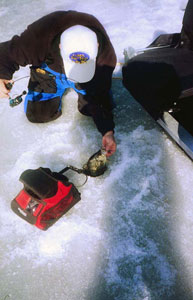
x,y
4,91
108,143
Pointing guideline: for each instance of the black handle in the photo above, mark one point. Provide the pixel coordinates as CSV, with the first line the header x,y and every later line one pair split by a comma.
x,y
79,171
9,85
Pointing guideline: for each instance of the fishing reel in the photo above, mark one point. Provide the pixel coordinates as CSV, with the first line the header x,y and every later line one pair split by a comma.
x,y
18,99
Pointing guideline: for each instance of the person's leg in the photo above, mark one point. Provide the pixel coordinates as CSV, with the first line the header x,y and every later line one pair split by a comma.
x,y
152,80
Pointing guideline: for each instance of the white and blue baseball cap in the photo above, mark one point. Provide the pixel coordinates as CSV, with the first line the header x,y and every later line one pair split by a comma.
x,y
79,48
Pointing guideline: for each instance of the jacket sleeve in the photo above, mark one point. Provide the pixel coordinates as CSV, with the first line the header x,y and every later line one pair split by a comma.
x,y
7,65
31,47
98,102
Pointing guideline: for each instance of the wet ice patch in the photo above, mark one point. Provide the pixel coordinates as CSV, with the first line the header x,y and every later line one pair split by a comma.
x,y
134,252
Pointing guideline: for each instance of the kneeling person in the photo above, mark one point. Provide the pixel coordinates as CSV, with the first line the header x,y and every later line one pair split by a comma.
x,y
65,50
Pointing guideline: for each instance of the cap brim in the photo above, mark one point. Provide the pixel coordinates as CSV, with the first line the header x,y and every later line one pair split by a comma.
x,y
80,72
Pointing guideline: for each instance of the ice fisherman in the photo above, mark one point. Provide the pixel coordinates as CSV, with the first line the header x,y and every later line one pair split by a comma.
x,y
158,78
66,49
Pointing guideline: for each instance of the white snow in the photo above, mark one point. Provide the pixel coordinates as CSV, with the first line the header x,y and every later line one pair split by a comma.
x,y
130,236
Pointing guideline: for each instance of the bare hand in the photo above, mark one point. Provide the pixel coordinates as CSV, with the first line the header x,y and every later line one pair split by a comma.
x,y
4,91
108,143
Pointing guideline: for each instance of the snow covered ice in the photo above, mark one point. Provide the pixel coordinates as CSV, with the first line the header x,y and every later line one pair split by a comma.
x,y
131,235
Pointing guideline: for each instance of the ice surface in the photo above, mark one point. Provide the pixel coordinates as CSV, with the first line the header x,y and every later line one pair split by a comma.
x,y
130,237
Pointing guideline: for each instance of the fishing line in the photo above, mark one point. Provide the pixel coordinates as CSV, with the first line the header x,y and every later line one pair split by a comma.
x,y
21,78
7,296
82,183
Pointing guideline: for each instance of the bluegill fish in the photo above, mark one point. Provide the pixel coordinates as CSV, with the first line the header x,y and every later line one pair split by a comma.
x,y
96,165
